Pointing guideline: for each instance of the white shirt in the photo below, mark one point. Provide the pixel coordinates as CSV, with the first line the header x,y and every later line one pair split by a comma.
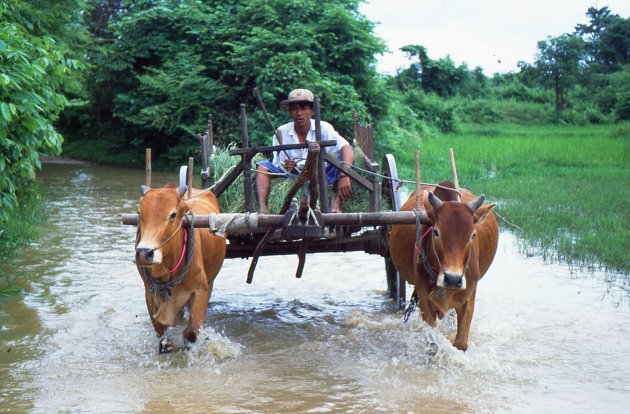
x,y
289,136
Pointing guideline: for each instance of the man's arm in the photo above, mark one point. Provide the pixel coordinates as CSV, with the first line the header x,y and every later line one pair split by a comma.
x,y
344,187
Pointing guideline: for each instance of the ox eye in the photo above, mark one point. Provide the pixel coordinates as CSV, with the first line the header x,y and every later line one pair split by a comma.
x,y
474,236
172,216
436,233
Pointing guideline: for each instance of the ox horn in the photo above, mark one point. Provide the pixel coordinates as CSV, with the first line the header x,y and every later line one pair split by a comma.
x,y
435,201
181,190
477,202
144,189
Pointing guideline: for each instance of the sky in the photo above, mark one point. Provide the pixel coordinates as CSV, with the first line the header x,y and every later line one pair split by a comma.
x,y
492,34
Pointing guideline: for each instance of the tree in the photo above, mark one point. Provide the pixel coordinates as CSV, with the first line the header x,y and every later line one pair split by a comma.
x,y
607,37
164,64
560,62
33,72
441,76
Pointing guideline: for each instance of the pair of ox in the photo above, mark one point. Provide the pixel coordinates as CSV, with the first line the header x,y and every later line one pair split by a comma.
x,y
178,264
445,259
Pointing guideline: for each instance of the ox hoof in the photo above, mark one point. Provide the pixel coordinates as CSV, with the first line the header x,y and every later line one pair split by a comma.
x,y
432,349
190,336
166,346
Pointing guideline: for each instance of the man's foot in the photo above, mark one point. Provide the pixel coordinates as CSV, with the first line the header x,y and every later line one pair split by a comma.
x,y
335,206
263,210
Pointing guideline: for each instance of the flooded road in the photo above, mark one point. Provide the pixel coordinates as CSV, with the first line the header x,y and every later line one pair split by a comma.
x,y
79,339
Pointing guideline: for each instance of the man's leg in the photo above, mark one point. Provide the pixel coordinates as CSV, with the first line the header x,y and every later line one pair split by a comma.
x,y
263,184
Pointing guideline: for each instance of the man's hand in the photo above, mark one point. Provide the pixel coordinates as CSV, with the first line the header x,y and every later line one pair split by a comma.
x,y
344,187
289,165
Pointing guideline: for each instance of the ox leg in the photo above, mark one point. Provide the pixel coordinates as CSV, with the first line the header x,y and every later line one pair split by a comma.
x,y
464,319
165,345
198,305
152,307
167,315
427,311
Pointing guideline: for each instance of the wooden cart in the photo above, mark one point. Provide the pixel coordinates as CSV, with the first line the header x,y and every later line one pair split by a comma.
x,y
301,227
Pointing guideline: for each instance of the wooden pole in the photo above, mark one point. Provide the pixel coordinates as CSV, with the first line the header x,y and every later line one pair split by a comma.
x,y
147,179
418,206
321,171
310,165
189,176
246,163
455,180
210,136
248,222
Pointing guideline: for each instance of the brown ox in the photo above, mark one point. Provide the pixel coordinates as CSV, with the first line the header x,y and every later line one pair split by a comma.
x,y
178,265
457,248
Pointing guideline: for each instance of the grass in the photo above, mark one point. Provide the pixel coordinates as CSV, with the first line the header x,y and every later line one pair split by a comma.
x,y
19,230
566,187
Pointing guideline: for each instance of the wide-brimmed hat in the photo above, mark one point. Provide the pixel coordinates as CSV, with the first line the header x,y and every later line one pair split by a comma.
x,y
297,96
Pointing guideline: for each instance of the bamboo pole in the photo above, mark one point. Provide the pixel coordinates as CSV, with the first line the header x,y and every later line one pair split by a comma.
x,y
147,179
238,222
189,175
418,203
455,180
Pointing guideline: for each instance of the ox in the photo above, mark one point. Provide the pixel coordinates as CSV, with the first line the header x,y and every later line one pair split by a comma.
x,y
444,260
178,265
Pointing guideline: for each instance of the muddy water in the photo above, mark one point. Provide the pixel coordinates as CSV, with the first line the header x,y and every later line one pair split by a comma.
x,y
543,339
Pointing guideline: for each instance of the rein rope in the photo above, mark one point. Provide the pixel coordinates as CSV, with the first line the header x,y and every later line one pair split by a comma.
x,y
424,256
165,289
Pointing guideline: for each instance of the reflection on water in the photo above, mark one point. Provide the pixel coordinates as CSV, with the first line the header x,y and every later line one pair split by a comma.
x,y
80,340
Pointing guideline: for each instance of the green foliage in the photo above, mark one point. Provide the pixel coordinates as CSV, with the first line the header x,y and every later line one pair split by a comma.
x,y
431,109
560,62
440,76
608,38
496,110
32,73
20,228
165,64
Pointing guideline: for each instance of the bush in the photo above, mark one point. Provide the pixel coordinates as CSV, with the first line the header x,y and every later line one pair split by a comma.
x,y
622,107
431,109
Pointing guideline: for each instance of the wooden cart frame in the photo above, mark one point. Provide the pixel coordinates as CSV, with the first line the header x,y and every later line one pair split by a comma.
x,y
302,228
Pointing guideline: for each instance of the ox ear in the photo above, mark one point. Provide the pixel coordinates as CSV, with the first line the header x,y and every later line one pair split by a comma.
x,y
181,190
482,212
144,189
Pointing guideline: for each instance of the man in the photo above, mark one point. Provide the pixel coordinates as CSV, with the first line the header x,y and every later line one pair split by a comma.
x,y
302,129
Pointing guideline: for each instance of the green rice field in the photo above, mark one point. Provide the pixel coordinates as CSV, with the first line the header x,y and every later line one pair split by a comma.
x,y
564,190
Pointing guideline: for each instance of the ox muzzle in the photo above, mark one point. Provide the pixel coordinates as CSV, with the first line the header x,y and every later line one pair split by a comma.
x,y
451,281
148,256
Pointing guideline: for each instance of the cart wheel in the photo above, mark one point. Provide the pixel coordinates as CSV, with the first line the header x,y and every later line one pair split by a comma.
x,y
396,285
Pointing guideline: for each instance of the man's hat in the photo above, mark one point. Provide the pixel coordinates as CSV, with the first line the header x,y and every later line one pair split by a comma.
x,y
296,96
